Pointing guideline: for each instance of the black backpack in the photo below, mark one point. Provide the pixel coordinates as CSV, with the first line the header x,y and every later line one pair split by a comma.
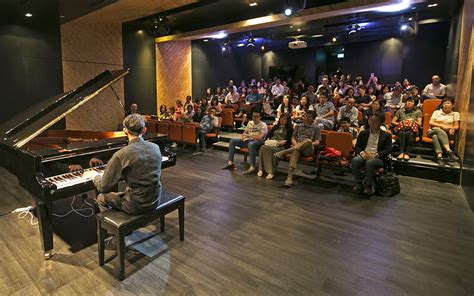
x,y
388,185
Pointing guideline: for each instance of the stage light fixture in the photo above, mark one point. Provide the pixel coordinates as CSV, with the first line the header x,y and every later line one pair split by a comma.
x,y
251,42
432,5
288,11
252,3
206,40
28,14
404,27
333,39
294,6
262,48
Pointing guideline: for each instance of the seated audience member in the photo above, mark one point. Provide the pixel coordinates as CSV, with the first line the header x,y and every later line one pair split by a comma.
x,y
287,91
267,108
254,97
189,101
348,95
393,100
406,122
300,88
324,113
371,93
349,111
363,101
204,104
374,82
231,85
435,89
241,87
372,148
209,94
188,115
444,123
324,88
405,85
278,90
305,138
232,96
220,96
207,124
198,114
301,109
310,95
252,138
355,86
366,114
178,112
216,105
385,90
347,128
133,109
241,112
414,93
163,109
278,139
285,107
340,90
168,115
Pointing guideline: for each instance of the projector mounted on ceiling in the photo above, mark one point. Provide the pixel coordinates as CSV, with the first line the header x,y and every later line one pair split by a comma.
x,y
297,44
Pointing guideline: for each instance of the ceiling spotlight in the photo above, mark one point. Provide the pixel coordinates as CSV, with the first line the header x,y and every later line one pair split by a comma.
x,y
28,14
410,19
240,44
205,40
333,39
432,5
262,47
223,48
353,30
253,3
317,35
299,30
291,27
404,27
288,11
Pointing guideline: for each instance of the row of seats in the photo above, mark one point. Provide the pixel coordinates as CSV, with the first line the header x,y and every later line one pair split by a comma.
x,y
185,133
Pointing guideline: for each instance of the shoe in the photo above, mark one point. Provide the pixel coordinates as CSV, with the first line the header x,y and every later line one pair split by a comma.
x,y
406,157
288,183
109,244
270,177
452,156
249,171
440,161
358,188
400,156
174,145
260,173
228,167
369,190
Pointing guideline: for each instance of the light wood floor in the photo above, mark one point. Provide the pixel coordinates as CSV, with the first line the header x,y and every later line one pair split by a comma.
x,y
246,235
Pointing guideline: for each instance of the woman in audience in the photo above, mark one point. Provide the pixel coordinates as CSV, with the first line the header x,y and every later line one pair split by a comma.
x,y
220,95
348,95
406,122
178,110
414,93
405,84
371,94
285,107
444,123
243,93
209,94
163,110
216,105
340,90
374,82
278,138
169,115
301,109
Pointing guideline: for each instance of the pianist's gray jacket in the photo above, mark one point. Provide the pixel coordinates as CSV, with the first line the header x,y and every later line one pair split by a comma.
x,y
139,165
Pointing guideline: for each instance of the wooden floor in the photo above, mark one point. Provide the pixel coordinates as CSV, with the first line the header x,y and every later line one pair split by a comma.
x,y
246,235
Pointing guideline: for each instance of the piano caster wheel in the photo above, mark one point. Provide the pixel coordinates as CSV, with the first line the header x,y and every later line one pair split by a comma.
x,y
48,254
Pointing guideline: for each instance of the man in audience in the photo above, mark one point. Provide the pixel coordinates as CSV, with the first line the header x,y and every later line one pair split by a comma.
x,y
133,109
372,149
231,85
306,137
324,113
189,101
232,97
393,100
324,88
207,124
188,115
347,128
220,95
254,97
349,111
310,95
435,89
252,138
278,90
363,100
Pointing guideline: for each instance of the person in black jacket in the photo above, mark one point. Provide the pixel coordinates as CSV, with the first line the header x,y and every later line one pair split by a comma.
x,y
372,150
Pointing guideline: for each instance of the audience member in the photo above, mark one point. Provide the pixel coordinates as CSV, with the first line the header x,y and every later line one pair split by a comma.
x,y
305,138
349,111
310,95
252,138
215,104
373,146
324,113
254,97
278,90
278,139
188,116
444,123
241,112
363,101
393,100
133,109
347,128
406,122
285,107
232,96
207,124
301,109
324,88
435,89
178,111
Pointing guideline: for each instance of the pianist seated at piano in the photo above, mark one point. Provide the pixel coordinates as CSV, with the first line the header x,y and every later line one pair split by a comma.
x,y
139,165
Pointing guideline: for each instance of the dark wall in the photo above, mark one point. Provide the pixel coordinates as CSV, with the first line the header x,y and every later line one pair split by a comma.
x,y
139,56
290,57
30,56
212,68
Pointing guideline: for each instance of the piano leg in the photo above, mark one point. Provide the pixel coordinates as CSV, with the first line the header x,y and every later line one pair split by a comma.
x,y
45,223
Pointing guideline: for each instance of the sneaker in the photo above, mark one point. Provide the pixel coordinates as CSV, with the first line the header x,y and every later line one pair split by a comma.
x,y
369,190
452,156
228,167
440,161
358,188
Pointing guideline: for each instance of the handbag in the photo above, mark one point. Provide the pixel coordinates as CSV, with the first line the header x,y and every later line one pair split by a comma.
x,y
388,185
271,143
408,125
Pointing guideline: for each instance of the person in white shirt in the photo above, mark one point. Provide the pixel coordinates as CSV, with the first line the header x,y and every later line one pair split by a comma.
x,y
393,100
232,96
252,138
278,90
231,85
435,89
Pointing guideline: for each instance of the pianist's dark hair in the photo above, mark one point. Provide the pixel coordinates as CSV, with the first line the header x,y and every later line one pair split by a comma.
x,y
134,123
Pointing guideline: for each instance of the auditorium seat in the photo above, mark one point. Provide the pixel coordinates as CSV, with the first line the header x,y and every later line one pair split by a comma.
x,y
176,132
339,141
163,127
190,133
227,115
360,118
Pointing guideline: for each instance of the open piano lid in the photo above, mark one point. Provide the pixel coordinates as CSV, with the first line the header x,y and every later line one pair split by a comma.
x,y
24,126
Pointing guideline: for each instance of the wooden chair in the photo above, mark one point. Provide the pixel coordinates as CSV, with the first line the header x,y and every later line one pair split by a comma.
x,y
176,132
190,133
227,115
360,118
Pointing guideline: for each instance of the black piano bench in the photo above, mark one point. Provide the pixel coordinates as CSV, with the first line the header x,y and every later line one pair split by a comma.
x,y
120,224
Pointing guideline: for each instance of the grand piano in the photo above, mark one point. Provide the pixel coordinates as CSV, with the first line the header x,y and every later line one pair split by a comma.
x,y
40,157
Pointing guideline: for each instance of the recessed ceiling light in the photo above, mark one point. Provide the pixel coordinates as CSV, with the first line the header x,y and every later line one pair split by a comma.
x,y
240,44
253,3
334,39
291,27
317,36
61,16
433,5
288,11
263,47
410,18
28,14
205,40
414,7
299,30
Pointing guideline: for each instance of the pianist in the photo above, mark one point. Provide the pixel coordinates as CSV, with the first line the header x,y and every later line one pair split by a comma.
x,y
139,165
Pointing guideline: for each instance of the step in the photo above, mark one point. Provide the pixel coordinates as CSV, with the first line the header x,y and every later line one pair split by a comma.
x,y
425,168
224,146
226,136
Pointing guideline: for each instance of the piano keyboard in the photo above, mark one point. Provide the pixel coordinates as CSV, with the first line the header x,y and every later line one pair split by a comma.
x,y
75,178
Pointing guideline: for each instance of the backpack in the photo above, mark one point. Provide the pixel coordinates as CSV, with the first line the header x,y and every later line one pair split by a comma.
x,y
388,185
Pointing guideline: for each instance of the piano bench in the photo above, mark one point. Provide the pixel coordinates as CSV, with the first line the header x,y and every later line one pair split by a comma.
x,y
120,224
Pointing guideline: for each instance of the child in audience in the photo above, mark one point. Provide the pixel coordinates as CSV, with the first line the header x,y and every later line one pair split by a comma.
x,y
347,128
